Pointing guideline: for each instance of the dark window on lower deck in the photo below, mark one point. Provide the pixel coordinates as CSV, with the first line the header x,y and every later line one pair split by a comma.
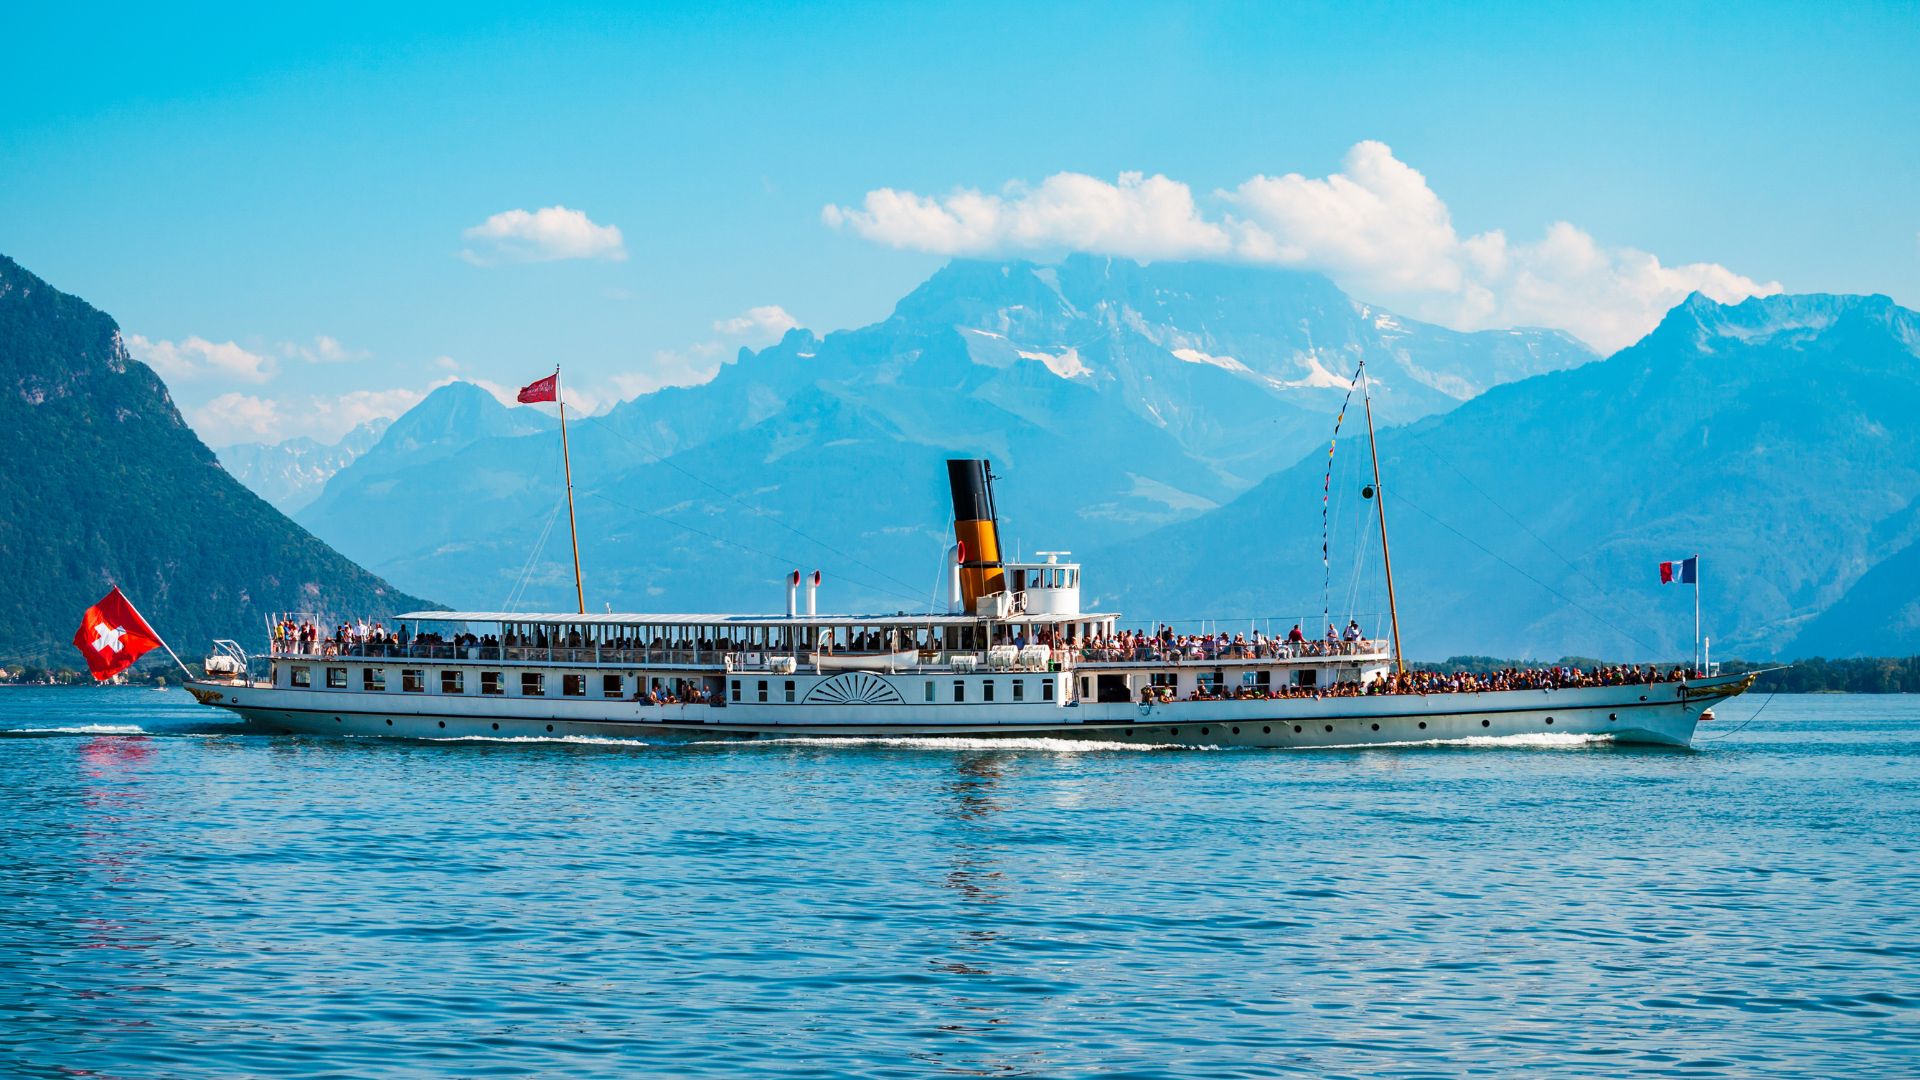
x,y
413,680
533,684
492,683
453,682
611,686
573,685
336,678
959,690
373,678
301,676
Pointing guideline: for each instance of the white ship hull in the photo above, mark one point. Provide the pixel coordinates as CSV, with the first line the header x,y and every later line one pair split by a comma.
x,y
1657,714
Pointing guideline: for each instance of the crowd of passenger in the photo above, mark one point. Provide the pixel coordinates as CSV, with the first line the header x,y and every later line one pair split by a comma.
x,y
362,638
1558,677
1166,646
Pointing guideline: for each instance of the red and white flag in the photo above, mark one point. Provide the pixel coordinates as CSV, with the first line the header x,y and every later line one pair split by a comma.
x,y
547,389
112,636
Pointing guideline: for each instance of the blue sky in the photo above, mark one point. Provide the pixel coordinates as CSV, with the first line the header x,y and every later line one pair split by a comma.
x,y
278,204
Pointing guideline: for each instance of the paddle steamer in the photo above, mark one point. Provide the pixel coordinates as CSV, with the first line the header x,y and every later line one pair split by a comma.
x,y
1013,655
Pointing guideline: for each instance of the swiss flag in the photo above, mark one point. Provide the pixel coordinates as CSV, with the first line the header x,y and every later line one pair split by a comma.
x,y
547,389
112,636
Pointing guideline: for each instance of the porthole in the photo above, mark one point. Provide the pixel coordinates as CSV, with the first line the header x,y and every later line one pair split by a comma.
x,y
1549,719
1129,733
1236,731
1329,727
1613,716
389,723
1173,731
1423,725
549,727
496,727
1203,731
1266,731
336,719
1296,729
443,723
1376,727
1485,723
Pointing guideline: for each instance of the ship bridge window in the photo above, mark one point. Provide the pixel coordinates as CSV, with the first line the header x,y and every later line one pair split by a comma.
x,y
533,684
413,680
492,683
373,678
336,678
301,676
453,682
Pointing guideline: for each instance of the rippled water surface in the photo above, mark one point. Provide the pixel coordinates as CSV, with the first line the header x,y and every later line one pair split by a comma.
x,y
178,898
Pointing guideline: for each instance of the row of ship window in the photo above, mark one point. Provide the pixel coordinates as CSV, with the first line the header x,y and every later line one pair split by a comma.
x,y
454,681
985,690
534,684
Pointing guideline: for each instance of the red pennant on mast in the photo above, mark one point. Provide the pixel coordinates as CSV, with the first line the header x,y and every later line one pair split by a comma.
x,y
112,636
547,389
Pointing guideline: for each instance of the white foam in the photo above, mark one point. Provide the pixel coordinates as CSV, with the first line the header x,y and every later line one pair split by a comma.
x,y
576,740
83,729
1536,740
961,742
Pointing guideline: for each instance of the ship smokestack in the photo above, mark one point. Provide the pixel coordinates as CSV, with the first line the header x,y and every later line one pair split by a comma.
x,y
976,528
793,589
813,587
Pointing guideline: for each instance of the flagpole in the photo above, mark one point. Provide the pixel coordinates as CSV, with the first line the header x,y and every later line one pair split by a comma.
x,y
1380,504
1696,611
156,633
579,593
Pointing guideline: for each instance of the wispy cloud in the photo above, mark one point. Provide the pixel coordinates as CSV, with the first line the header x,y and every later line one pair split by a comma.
x,y
762,325
548,235
197,358
323,349
1375,227
236,417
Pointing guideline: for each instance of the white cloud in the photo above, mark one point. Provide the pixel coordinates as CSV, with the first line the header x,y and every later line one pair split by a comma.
x,y
1139,217
547,235
234,417
446,363
1375,227
323,349
197,358
764,324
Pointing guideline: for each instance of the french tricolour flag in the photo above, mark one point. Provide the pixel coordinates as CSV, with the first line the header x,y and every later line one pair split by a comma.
x,y
1686,571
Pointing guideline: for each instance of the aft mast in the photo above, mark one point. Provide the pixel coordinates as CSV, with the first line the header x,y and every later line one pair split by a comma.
x,y
1380,504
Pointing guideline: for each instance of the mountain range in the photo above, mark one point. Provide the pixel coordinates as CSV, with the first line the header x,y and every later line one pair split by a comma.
x,y
107,485
1778,439
291,474
1114,398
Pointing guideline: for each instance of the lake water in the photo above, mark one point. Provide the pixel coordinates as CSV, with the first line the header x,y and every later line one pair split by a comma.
x,y
178,898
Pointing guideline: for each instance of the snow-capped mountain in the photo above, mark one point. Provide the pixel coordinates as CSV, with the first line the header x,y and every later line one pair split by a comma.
x,y
1112,397
290,474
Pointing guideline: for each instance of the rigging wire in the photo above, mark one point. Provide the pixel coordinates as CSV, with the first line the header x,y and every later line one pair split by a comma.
x,y
1509,565
1598,588
1744,723
517,593
779,559
1326,493
755,510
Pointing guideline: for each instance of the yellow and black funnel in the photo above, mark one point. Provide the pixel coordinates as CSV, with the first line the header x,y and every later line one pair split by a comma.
x,y
976,528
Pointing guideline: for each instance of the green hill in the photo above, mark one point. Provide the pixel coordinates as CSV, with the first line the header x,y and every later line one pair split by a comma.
x,y
103,483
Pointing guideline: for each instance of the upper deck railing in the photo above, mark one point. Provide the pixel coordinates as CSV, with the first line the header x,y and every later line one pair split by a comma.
x,y
1208,653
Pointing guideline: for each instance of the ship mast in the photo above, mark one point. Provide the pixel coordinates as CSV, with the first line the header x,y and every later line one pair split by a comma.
x,y
579,593
1380,504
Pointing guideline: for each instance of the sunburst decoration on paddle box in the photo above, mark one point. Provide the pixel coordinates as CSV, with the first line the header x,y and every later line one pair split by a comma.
x,y
853,688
